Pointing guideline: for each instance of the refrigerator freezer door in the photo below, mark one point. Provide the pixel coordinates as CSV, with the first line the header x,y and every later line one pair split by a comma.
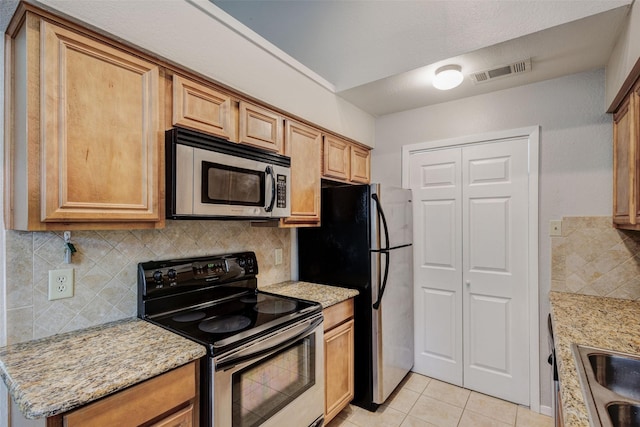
x,y
392,322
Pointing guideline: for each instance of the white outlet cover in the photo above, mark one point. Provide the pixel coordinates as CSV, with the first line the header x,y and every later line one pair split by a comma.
x,y
278,256
61,283
555,228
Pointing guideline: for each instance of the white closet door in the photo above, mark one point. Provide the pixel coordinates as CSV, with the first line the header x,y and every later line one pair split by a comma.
x,y
436,183
495,259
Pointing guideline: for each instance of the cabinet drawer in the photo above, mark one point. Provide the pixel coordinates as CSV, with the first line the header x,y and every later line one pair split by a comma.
x,y
140,403
337,314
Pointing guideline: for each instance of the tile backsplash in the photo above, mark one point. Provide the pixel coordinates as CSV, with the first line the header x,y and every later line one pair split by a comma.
x,y
105,267
593,258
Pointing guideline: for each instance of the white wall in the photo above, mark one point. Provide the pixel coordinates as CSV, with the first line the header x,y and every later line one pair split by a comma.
x,y
624,55
575,154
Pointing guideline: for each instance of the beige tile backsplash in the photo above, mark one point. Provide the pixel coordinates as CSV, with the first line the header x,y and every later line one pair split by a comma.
x,y
593,258
106,269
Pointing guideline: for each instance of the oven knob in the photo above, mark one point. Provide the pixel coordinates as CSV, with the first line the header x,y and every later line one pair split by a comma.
x,y
241,262
157,276
172,274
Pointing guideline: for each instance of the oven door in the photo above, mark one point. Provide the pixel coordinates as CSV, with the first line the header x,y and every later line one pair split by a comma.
x,y
277,380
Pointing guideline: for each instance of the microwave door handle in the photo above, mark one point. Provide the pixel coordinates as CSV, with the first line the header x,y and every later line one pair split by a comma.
x,y
269,171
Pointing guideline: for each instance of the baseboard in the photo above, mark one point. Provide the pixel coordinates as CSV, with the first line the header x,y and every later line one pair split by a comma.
x,y
546,410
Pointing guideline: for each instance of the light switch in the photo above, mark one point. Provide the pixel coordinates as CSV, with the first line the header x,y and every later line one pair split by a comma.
x,y
278,256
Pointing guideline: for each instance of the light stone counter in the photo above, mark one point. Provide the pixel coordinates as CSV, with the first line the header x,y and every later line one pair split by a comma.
x,y
324,294
52,375
607,323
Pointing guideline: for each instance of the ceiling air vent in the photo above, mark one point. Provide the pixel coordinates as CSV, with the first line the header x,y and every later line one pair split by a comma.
x,y
502,71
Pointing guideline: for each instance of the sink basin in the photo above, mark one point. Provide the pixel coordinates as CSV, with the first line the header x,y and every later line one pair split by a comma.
x,y
620,374
624,414
611,386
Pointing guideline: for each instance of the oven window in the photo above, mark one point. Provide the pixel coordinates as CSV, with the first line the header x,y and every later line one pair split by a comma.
x,y
228,185
261,390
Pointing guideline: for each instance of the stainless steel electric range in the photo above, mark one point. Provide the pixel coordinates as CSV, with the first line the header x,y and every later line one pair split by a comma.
x,y
264,363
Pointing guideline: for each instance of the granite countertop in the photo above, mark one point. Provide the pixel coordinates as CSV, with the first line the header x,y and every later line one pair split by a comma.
x,y
59,373
601,322
324,294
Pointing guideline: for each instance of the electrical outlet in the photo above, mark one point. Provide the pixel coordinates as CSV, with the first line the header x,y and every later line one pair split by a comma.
x,y
278,256
60,284
555,228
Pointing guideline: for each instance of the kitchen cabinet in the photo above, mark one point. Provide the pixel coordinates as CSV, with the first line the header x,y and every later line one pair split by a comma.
x,y
167,400
304,145
345,161
338,358
626,162
84,147
201,107
260,127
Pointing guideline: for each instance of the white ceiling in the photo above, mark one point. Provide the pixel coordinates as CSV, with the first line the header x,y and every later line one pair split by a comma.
x,y
381,55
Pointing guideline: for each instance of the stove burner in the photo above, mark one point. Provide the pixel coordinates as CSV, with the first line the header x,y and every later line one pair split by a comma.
x,y
188,317
252,299
224,324
275,307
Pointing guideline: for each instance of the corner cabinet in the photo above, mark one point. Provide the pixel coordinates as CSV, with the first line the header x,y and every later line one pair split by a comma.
x,y
344,161
84,147
168,400
338,358
303,145
626,162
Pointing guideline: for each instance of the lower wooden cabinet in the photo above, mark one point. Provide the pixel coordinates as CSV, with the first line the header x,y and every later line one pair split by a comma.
x,y
338,358
168,400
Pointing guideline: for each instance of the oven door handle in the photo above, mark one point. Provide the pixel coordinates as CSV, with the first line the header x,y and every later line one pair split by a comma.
x,y
269,171
269,344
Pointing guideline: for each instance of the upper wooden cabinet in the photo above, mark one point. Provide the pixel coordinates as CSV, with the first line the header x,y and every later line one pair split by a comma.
x,y
345,161
626,162
260,127
84,146
303,145
200,107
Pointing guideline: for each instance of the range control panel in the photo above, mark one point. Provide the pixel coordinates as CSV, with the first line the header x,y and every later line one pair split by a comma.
x,y
158,276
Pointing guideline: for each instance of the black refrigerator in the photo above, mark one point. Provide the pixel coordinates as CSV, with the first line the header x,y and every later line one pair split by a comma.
x,y
365,243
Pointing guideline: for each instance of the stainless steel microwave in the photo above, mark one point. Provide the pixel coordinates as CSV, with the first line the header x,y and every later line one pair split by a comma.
x,y
208,177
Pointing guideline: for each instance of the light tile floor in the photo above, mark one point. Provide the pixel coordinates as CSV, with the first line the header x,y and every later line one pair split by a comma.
x,y
420,401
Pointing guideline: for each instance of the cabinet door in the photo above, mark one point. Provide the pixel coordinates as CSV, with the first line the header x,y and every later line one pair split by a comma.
x,y
623,168
360,165
182,418
101,140
303,145
260,127
200,107
338,366
336,158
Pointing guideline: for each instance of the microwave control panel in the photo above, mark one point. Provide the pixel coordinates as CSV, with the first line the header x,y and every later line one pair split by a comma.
x,y
281,191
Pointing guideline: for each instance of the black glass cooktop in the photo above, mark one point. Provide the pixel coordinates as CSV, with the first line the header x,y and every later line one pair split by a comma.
x,y
226,324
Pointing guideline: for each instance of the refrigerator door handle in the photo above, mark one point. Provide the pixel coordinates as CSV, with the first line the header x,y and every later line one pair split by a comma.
x,y
385,251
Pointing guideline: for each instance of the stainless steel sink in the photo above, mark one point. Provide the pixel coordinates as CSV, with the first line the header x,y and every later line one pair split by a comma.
x,y
611,386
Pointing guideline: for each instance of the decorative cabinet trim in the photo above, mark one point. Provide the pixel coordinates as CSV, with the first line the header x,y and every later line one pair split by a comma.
x,y
201,107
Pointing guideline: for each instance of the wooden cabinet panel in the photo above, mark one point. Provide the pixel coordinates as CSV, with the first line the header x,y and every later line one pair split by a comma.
x,y
337,314
182,418
200,107
84,147
360,165
303,145
626,162
339,365
336,158
260,127
345,161
142,403
100,142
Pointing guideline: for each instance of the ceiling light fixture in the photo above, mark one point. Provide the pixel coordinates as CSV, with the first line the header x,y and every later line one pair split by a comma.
x,y
448,77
